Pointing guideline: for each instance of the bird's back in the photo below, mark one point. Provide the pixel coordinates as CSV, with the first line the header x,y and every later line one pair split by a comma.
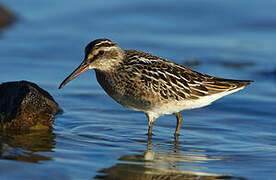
x,y
168,78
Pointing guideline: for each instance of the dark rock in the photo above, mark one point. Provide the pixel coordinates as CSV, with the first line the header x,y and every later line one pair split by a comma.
x,y
24,106
6,17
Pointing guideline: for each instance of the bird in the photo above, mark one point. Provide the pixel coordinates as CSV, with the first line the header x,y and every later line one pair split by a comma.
x,y
147,83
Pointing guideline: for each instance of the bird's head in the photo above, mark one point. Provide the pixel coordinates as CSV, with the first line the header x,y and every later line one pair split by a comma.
x,y
100,54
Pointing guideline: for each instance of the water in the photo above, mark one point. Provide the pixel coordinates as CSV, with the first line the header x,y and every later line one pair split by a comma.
x,y
97,138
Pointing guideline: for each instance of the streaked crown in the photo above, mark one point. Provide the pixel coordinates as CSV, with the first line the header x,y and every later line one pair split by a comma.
x,y
98,43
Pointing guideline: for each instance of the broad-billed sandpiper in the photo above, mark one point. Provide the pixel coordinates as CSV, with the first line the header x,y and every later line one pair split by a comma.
x,y
151,84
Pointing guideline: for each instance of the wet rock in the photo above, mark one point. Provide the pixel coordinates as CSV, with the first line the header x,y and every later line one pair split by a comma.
x,y
6,17
25,106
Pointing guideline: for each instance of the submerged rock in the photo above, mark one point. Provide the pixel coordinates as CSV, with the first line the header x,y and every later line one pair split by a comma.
x,y
24,106
268,73
6,17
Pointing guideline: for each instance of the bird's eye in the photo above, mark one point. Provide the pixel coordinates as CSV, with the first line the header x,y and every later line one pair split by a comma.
x,y
101,52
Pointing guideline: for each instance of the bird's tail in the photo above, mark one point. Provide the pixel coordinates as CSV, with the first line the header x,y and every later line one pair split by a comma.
x,y
221,84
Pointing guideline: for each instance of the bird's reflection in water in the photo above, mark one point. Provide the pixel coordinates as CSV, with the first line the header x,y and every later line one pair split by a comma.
x,y
26,146
166,164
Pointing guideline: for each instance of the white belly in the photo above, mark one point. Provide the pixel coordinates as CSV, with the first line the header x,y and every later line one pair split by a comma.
x,y
176,106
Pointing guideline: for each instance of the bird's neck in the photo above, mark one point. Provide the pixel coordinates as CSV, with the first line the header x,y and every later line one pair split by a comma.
x,y
106,80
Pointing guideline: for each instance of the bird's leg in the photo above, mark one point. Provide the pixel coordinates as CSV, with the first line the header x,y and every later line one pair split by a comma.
x,y
150,128
151,119
178,125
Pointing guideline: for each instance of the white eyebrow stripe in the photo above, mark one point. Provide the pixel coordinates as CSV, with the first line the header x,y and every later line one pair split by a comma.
x,y
103,42
108,48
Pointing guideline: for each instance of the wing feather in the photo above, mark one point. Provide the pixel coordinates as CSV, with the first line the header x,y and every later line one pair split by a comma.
x,y
174,81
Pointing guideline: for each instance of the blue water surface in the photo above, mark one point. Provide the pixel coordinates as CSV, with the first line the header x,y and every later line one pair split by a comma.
x,y
95,137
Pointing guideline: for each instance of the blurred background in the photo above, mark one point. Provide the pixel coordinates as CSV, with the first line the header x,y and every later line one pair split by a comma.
x,y
43,41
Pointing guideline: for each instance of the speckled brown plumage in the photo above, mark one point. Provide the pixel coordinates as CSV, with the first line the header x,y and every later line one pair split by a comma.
x,y
148,83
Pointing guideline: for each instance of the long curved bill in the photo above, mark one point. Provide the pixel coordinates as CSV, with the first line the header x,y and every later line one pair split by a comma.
x,y
82,68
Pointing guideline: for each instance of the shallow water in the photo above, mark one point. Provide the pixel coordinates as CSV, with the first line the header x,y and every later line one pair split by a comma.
x,y
97,138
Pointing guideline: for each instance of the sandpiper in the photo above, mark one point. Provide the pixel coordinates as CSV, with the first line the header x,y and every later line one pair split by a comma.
x,y
151,84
